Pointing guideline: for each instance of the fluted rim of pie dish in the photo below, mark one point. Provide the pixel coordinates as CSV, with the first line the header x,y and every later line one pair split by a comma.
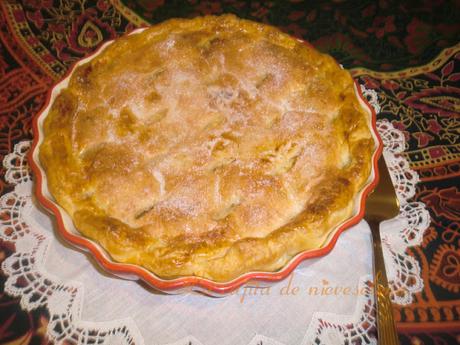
x,y
179,284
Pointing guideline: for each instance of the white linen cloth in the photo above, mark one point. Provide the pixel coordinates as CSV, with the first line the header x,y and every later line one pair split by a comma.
x,y
327,300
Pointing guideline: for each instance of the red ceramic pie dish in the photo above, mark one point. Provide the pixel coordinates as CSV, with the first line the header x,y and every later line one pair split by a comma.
x,y
66,228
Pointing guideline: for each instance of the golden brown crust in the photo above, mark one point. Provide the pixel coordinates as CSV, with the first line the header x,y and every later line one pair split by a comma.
x,y
208,147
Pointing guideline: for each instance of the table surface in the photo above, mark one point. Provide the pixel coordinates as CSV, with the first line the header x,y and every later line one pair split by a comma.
x,y
40,40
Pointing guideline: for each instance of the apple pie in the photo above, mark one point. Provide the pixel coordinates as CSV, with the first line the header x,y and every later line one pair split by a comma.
x,y
207,147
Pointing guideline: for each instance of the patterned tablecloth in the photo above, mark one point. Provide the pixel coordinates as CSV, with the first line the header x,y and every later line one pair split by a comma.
x,y
40,39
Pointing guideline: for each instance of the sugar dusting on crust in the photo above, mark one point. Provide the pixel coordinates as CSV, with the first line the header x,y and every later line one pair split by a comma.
x,y
160,178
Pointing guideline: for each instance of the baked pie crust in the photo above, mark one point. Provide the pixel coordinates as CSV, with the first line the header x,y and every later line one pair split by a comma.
x,y
209,147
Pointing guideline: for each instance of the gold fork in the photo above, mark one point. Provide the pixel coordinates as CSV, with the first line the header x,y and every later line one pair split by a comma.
x,y
382,204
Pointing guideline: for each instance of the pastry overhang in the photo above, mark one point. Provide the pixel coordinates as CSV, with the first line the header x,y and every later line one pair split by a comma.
x,y
207,147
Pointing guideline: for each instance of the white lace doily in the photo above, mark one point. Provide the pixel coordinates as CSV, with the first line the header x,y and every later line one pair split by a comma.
x,y
333,303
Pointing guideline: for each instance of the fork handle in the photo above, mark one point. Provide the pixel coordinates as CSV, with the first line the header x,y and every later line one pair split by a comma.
x,y
386,328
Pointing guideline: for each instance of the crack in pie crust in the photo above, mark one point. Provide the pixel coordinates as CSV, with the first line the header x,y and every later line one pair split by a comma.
x,y
209,147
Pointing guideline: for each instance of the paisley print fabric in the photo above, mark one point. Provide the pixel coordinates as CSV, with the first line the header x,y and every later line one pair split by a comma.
x,y
41,39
